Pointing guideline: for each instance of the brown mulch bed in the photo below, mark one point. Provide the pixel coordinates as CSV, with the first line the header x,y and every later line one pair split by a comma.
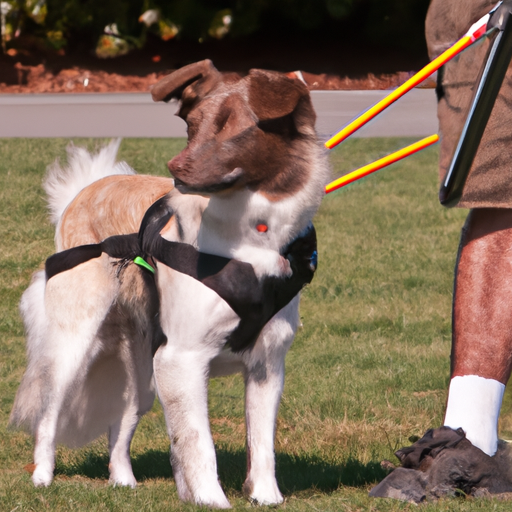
x,y
324,64
38,79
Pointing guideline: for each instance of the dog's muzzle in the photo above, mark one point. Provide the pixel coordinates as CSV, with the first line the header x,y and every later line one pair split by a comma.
x,y
227,181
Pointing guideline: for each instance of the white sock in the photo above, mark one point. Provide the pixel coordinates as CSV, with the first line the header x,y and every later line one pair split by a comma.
x,y
474,405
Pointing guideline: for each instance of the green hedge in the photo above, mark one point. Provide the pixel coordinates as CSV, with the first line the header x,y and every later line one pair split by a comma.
x,y
114,27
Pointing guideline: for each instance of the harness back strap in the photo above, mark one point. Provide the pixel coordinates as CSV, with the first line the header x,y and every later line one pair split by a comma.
x,y
119,246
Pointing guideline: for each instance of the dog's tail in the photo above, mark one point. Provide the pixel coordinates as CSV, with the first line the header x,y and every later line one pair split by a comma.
x,y
63,182
32,394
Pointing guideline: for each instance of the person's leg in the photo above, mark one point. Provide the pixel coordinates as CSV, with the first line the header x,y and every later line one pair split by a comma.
x,y
482,326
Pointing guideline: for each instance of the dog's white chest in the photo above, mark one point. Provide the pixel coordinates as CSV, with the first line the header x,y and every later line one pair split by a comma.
x,y
196,317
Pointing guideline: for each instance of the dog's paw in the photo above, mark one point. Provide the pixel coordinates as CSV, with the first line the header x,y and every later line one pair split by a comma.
x,y
220,504
209,496
272,264
123,482
122,477
42,477
263,493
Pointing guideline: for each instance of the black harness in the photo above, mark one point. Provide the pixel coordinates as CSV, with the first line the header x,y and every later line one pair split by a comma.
x,y
254,300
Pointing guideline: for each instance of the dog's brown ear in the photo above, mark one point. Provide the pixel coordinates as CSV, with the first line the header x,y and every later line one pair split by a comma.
x,y
173,85
273,95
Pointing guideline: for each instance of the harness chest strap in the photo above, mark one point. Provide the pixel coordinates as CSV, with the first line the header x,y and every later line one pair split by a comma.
x,y
254,300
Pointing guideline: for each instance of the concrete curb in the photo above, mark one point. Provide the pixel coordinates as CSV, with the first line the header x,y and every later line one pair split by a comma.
x,y
136,115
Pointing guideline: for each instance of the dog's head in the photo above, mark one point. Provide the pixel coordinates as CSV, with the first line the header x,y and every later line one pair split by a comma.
x,y
242,131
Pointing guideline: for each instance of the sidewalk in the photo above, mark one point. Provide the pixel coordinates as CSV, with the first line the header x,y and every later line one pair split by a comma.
x,y
136,115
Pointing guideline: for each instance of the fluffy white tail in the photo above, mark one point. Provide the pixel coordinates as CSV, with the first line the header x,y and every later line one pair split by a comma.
x,y
31,397
64,182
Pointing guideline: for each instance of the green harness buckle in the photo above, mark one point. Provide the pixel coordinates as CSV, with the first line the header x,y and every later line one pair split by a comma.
x,y
143,263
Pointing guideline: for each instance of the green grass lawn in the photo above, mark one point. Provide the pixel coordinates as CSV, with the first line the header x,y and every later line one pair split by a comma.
x,y
368,369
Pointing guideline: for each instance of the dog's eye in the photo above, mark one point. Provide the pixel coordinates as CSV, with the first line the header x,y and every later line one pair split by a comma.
x,y
193,121
191,131
222,119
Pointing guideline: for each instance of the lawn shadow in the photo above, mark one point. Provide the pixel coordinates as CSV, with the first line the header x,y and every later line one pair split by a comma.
x,y
93,465
294,472
150,464
303,472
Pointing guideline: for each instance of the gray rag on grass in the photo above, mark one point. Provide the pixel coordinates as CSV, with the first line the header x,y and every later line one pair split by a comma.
x,y
444,463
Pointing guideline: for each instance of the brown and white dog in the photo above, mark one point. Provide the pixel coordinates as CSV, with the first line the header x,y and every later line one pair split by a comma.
x,y
248,183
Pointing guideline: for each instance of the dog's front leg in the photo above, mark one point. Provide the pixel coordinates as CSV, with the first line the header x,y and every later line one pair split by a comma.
x,y
184,399
182,381
195,321
264,380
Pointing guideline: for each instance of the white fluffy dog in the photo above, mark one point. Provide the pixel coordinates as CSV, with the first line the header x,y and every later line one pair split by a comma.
x,y
230,247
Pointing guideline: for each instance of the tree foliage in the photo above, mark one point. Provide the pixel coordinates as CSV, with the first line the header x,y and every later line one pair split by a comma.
x,y
124,24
